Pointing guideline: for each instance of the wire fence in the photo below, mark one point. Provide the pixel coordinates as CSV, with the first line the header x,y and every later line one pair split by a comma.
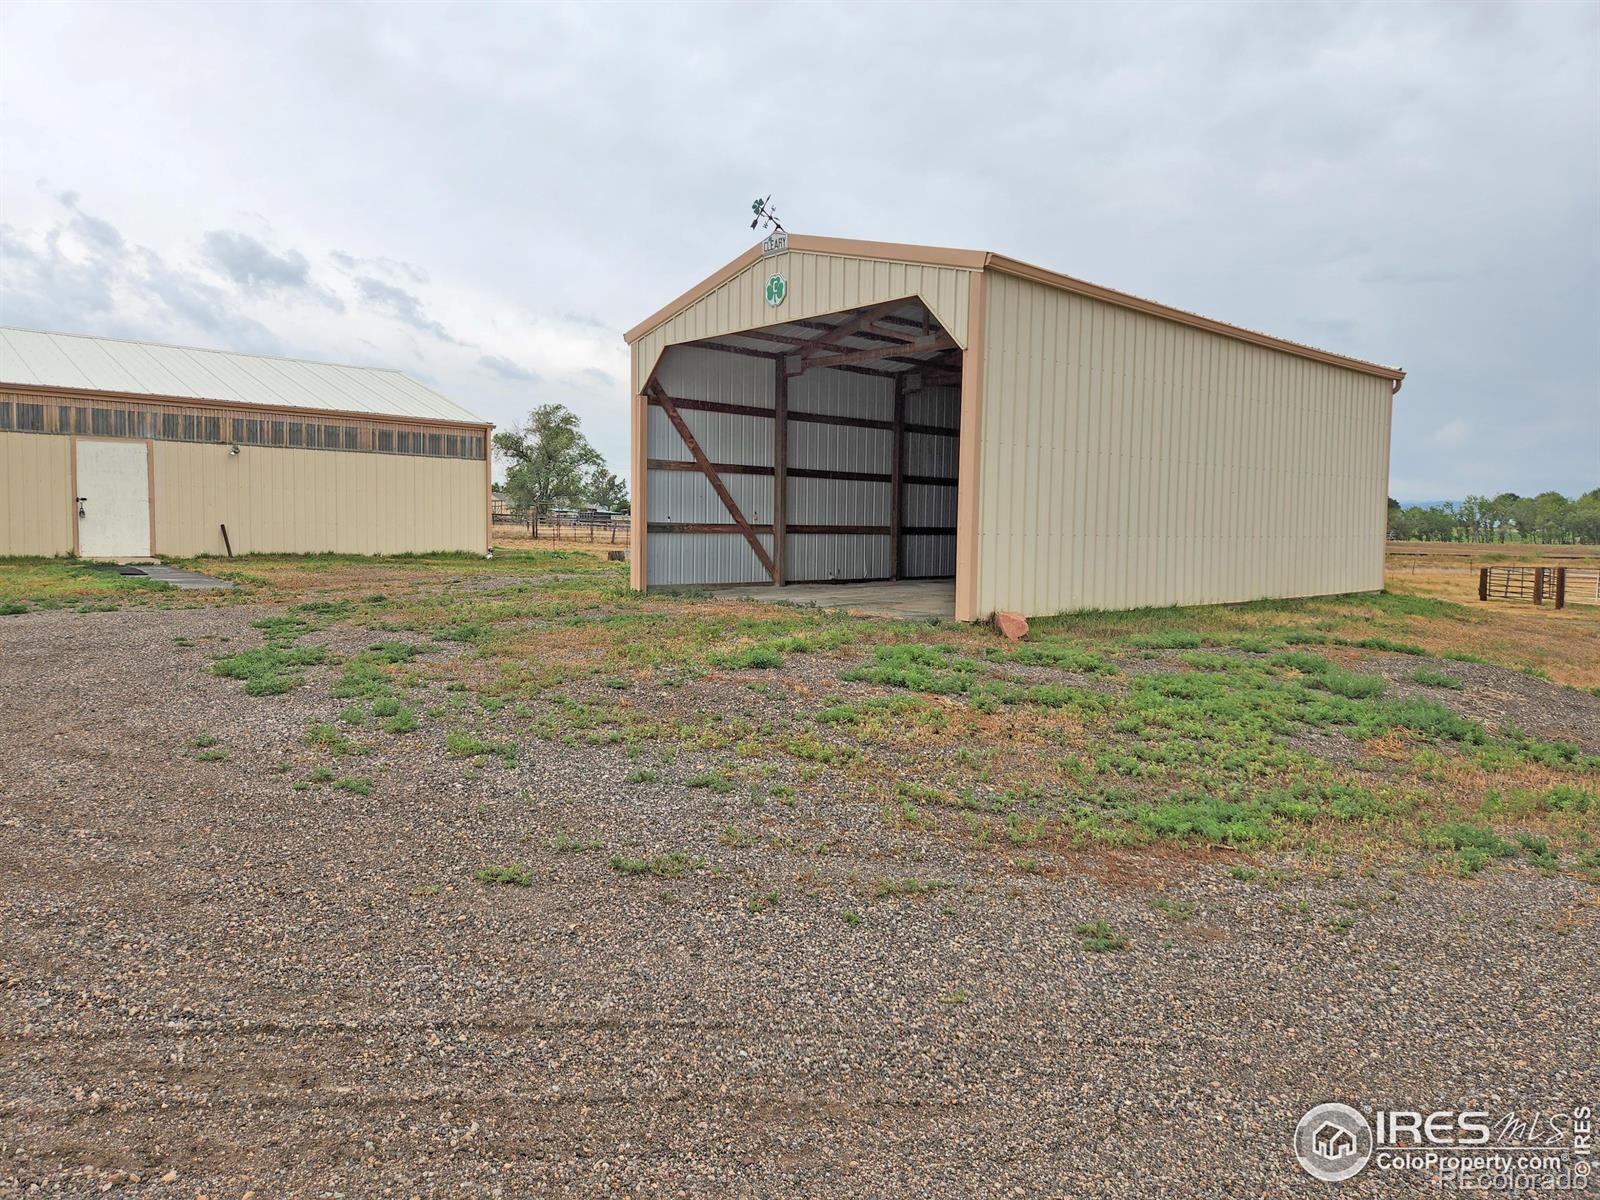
x,y
567,529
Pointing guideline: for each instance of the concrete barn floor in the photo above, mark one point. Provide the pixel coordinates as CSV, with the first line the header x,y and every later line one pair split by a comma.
x,y
905,599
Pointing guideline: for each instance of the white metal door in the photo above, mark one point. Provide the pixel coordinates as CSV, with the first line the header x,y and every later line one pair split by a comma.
x,y
113,499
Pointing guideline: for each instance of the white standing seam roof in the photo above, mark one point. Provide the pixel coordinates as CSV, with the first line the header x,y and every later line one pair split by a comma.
x,y
70,360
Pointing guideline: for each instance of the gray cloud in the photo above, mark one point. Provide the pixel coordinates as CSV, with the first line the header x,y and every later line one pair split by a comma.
x,y
250,264
399,304
385,266
108,287
204,307
1412,183
592,377
41,288
92,229
507,369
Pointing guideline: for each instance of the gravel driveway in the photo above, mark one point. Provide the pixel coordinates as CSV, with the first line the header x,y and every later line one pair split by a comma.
x,y
215,984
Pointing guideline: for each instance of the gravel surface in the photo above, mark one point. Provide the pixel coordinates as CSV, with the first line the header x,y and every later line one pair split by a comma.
x,y
216,985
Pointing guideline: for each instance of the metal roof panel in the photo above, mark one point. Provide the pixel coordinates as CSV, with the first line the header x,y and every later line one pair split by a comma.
x,y
69,360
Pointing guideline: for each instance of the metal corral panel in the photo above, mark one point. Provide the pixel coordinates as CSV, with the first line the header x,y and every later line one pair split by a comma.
x,y
691,373
842,394
688,496
36,505
66,360
1127,460
689,558
929,556
818,284
818,556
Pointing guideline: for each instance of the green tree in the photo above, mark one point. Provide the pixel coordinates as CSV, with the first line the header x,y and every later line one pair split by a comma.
x,y
549,462
604,490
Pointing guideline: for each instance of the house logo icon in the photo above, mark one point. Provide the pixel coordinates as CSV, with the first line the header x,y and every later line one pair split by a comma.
x,y
1332,1142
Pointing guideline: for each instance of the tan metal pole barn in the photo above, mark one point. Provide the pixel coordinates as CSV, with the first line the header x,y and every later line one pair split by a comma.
x,y
826,409
290,456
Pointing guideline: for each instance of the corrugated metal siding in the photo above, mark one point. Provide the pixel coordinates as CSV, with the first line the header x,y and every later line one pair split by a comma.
x,y
839,447
68,360
842,394
1127,460
725,438
929,504
688,496
814,557
306,501
929,556
933,454
818,284
36,506
690,558
935,406
681,496
695,374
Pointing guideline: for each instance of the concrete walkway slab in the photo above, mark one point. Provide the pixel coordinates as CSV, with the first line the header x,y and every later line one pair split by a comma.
x,y
187,580
905,600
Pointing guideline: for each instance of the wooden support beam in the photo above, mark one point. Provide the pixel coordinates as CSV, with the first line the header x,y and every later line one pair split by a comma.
x,y
850,327
745,350
780,474
865,530
659,396
673,464
751,410
893,334
823,327
878,353
897,464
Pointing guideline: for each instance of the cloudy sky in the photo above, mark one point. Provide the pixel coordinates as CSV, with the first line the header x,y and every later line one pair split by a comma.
x,y
487,196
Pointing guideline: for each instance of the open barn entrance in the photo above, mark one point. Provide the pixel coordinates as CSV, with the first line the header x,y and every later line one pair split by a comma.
x,y
821,451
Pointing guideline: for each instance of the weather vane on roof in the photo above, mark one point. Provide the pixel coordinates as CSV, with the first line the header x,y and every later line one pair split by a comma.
x,y
763,212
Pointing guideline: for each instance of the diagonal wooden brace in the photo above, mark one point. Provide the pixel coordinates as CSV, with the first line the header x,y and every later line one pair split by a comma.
x,y
659,396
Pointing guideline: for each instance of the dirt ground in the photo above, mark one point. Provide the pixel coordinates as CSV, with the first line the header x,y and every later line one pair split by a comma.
x,y
214,983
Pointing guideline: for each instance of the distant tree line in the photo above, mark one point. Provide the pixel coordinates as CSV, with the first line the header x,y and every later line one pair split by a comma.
x,y
551,465
1546,518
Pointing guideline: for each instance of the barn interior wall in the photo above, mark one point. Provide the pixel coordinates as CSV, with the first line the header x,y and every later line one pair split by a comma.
x,y
680,496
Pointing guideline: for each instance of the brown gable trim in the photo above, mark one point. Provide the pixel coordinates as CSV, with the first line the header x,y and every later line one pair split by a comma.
x,y
932,256
1022,270
703,288
283,410
978,260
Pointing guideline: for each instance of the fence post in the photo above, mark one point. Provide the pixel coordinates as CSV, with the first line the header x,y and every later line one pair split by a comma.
x,y
1538,585
1561,587
1483,583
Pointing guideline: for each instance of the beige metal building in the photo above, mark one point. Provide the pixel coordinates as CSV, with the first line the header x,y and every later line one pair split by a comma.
x,y
117,449
832,410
